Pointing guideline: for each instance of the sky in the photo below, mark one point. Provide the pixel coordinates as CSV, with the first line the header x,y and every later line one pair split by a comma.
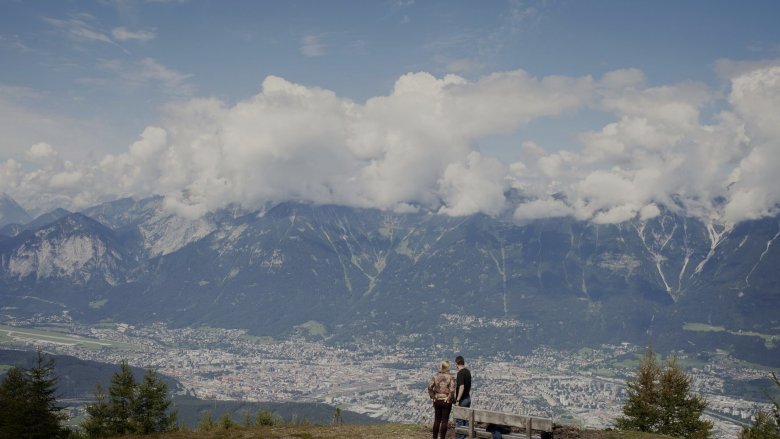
x,y
605,111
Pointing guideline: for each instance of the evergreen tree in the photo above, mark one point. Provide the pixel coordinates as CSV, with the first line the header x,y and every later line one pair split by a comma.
x,y
680,411
206,422
660,401
641,408
45,414
225,422
28,406
121,397
766,425
265,417
98,415
14,397
150,406
130,407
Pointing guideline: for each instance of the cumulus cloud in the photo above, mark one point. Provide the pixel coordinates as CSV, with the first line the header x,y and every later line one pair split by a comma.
x,y
659,152
41,151
542,208
754,191
413,148
478,185
416,148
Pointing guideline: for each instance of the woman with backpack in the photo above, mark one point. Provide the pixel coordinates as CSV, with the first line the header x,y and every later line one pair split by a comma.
x,y
441,388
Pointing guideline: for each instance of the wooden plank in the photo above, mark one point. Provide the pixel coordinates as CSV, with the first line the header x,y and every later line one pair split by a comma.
x,y
482,433
499,418
542,424
459,412
471,424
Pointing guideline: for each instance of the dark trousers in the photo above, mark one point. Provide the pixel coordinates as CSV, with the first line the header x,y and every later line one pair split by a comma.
x,y
441,417
465,402
498,431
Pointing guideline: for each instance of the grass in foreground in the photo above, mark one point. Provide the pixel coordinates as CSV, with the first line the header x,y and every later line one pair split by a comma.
x,y
400,431
394,431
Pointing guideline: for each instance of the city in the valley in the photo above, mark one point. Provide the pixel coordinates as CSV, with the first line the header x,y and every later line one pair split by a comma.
x,y
584,388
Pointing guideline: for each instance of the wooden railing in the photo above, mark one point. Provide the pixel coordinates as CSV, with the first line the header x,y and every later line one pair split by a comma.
x,y
528,423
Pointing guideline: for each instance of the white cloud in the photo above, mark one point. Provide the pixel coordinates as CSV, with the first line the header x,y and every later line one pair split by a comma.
x,y
649,211
754,191
413,147
543,208
730,69
131,76
18,93
25,120
41,151
416,148
123,34
312,46
478,185
85,28
80,28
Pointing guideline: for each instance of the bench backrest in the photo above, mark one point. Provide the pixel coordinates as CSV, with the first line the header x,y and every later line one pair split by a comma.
x,y
529,423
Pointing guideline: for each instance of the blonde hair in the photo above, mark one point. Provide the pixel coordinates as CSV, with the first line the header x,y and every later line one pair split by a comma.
x,y
445,366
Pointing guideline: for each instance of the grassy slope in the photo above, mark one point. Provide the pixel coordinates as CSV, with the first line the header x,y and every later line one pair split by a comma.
x,y
395,431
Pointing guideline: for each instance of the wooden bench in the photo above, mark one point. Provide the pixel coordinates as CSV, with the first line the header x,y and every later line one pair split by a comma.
x,y
529,423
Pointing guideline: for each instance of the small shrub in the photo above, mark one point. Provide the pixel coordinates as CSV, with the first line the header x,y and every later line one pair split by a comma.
x,y
206,422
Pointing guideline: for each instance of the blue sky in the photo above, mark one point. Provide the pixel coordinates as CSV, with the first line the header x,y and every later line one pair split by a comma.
x,y
87,78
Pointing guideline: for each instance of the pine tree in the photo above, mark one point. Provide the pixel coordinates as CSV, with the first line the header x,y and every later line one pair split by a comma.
x,y
150,406
98,415
660,401
680,410
121,397
265,417
226,423
206,422
14,397
766,425
130,407
46,415
28,406
641,408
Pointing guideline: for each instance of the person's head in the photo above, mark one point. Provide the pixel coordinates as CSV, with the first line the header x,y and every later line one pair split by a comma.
x,y
459,361
445,366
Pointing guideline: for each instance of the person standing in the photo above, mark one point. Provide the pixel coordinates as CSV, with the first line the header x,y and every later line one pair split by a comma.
x,y
462,391
441,389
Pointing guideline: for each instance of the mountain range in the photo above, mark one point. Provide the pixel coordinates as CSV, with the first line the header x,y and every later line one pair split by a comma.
x,y
335,273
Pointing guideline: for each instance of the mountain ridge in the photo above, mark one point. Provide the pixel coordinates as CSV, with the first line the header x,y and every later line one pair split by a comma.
x,y
369,273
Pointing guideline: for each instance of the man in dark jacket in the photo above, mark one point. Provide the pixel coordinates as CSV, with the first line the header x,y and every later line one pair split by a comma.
x,y
462,391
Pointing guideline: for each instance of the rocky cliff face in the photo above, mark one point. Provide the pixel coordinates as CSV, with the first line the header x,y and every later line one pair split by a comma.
x,y
75,249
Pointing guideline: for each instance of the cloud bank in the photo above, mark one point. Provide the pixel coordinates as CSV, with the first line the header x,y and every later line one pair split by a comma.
x,y
417,148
